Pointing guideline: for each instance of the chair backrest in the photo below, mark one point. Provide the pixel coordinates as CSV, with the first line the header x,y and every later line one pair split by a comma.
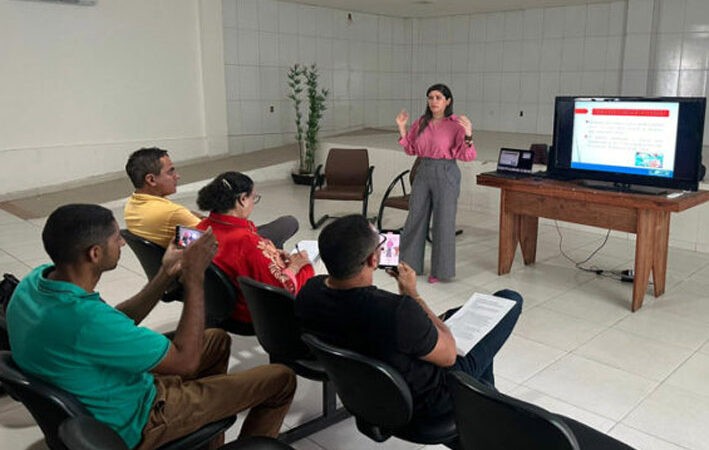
x,y
48,404
88,433
273,314
370,389
541,152
149,253
220,295
488,419
347,167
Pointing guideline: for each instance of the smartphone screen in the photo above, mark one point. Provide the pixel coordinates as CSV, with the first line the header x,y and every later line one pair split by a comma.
x,y
185,235
389,256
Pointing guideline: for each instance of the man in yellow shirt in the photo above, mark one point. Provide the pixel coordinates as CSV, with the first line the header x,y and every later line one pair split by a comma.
x,y
150,215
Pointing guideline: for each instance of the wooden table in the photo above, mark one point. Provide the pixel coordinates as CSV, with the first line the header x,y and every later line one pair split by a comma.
x,y
523,201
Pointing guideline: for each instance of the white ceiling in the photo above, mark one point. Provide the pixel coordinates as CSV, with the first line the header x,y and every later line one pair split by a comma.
x,y
429,8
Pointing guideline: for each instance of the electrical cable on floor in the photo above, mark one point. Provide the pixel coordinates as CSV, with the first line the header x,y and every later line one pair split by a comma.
x,y
613,274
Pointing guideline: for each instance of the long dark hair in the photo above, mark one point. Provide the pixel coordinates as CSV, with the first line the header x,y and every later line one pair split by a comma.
x,y
428,115
220,195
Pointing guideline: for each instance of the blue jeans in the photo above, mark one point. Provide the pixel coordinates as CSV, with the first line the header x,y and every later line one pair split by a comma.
x,y
478,362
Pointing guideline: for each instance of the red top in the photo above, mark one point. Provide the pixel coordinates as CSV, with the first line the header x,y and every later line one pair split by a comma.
x,y
242,252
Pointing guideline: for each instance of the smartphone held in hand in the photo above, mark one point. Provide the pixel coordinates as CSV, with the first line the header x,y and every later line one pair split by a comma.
x,y
184,236
389,244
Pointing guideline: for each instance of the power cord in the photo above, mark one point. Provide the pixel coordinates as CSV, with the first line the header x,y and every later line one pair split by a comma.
x,y
620,275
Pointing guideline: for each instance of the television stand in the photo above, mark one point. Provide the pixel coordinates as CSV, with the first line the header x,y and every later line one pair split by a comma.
x,y
623,187
524,201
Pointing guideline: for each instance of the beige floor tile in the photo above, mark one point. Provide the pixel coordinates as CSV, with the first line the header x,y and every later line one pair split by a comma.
x,y
555,329
705,349
557,406
519,359
635,354
7,258
640,440
663,327
692,375
592,386
31,253
675,415
14,267
685,303
604,301
533,294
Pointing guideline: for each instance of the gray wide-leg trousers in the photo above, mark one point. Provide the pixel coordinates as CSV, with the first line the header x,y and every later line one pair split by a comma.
x,y
434,193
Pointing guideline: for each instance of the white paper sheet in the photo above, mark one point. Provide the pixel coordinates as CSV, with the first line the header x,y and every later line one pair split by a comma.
x,y
476,318
311,247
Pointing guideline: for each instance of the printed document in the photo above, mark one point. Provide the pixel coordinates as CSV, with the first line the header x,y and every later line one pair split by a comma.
x,y
476,318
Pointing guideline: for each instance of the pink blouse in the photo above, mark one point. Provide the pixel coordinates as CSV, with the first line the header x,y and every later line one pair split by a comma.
x,y
442,140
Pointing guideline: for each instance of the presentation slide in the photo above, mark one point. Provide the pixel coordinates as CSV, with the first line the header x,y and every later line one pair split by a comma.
x,y
627,137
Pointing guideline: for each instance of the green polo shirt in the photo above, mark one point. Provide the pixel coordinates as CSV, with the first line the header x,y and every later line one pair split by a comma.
x,y
73,340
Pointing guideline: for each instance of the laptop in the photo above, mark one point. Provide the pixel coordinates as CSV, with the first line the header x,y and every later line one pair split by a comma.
x,y
515,163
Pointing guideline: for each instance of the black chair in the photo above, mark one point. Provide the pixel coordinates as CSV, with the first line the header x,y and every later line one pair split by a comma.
x,y
398,201
50,406
348,176
277,330
379,398
494,421
150,255
220,297
401,201
87,433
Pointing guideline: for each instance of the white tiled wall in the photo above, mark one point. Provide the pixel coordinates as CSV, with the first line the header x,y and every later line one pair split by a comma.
x,y
680,50
364,63
504,68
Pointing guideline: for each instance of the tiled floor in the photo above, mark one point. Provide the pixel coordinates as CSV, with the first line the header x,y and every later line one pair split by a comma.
x,y
577,349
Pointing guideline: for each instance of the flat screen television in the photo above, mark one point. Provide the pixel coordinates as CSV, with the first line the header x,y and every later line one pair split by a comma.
x,y
625,141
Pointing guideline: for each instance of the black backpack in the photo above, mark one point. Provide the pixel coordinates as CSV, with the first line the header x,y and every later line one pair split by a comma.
x,y
7,287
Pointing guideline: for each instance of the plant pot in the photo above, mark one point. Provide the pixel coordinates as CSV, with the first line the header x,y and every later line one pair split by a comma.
x,y
302,178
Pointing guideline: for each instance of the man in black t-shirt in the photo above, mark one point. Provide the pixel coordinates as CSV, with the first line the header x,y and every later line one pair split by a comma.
x,y
345,309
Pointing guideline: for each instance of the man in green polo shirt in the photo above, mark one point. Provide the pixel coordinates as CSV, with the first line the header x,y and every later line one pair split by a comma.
x,y
147,388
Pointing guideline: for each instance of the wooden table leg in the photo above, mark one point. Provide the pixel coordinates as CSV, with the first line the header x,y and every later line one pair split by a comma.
x,y
509,232
659,262
528,226
644,254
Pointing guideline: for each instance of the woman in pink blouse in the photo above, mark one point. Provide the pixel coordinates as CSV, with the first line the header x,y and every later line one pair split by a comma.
x,y
439,138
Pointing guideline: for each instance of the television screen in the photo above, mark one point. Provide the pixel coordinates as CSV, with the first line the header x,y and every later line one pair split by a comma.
x,y
646,141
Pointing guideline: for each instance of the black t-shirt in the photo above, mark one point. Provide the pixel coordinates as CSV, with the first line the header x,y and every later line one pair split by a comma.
x,y
386,326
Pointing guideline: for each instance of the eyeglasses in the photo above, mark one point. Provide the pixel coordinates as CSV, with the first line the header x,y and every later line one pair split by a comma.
x,y
379,245
257,198
377,248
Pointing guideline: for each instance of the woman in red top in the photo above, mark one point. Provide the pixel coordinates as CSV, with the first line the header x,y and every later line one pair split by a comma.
x,y
230,198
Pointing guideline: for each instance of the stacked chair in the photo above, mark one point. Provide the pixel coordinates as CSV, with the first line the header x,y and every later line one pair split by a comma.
x,y
51,406
273,314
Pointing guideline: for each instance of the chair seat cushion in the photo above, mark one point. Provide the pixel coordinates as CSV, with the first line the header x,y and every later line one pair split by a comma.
x,y
427,430
340,192
400,202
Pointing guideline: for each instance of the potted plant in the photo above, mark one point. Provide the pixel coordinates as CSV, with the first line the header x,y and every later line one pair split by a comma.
x,y
299,75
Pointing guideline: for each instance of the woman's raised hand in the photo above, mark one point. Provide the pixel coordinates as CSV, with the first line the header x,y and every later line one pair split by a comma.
x,y
465,123
402,118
